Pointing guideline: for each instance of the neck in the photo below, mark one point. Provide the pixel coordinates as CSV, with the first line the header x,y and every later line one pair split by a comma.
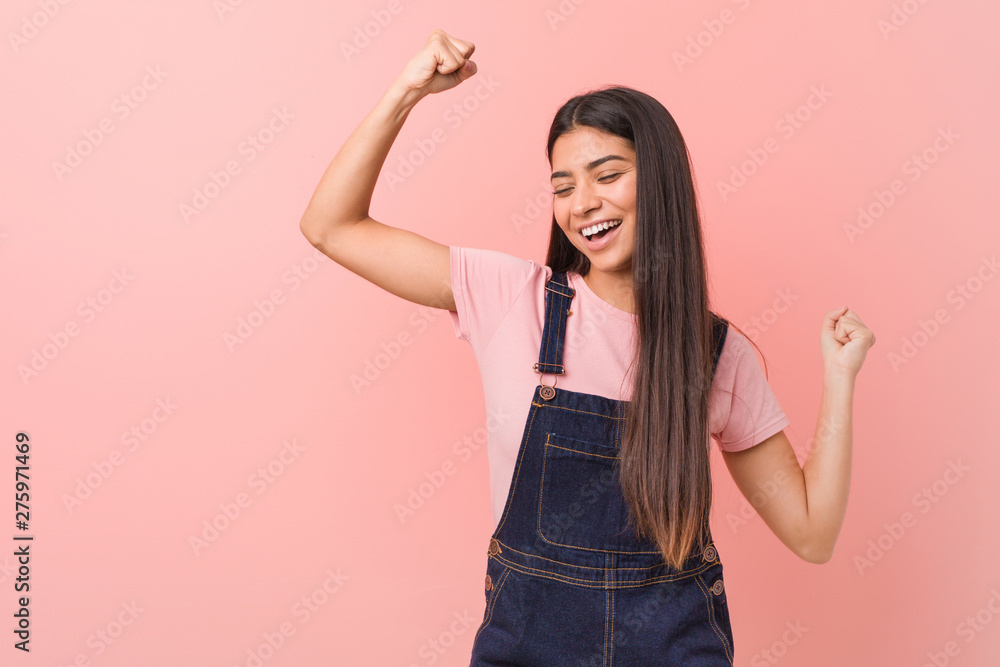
x,y
613,287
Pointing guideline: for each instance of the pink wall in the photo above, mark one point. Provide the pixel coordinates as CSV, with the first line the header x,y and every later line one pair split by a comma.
x,y
132,305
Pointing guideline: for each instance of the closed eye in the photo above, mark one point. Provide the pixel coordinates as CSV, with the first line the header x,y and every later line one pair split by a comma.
x,y
601,179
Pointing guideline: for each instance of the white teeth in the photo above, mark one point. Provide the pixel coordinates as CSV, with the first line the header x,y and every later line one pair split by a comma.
x,y
598,227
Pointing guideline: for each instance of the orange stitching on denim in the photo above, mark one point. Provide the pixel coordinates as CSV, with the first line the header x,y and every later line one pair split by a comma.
x,y
541,488
547,328
541,491
580,441
580,451
585,567
493,602
559,334
548,312
611,656
618,435
607,608
551,310
510,494
586,412
533,571
711,618
574,546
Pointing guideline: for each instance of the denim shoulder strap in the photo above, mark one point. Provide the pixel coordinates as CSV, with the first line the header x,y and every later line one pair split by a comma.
x,y
558,295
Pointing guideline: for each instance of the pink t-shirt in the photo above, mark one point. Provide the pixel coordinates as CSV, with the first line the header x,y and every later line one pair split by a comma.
x,y
500,307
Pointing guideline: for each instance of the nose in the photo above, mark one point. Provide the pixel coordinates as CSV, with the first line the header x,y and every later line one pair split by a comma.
x,y
584,199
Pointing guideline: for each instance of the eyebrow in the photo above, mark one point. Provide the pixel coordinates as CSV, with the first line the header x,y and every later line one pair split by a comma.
x,y
596,163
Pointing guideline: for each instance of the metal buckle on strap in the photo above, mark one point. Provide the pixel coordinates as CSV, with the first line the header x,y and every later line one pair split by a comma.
x,y
547,391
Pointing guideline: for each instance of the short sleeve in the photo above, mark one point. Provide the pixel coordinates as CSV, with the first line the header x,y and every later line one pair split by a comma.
x,y
485,284
755,414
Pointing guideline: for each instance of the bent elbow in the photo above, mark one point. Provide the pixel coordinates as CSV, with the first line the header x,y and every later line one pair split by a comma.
x,y
307,231
815,553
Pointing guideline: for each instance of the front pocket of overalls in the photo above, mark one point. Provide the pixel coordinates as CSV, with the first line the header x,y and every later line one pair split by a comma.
x,y
580,502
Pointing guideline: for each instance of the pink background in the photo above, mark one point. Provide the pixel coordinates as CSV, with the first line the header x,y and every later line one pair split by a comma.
x,y
403,588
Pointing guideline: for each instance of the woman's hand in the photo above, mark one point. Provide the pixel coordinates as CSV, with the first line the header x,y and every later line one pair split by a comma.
x,y
844,340
440,64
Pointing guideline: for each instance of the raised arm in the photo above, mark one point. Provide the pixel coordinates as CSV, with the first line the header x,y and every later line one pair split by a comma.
x,y
337,219
805,506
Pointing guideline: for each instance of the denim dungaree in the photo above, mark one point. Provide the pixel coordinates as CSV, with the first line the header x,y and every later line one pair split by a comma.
x,y
568,581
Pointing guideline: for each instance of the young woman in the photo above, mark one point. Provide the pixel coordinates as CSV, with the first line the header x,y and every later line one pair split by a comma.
x,y
602,552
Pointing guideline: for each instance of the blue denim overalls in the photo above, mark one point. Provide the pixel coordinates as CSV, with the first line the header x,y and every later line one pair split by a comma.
x,y
568,581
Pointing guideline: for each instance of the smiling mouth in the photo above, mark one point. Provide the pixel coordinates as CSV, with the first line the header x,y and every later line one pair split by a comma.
x,y
599,230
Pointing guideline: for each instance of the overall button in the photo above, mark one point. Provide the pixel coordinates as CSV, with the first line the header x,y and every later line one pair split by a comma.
x,y
710,553
489,583
494,547
717,587
547,392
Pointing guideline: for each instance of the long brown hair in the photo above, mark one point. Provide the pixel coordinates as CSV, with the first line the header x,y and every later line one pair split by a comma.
x,y
665,469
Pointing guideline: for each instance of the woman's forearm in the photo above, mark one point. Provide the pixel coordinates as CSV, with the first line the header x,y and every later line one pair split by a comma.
x,y
827,470
345,191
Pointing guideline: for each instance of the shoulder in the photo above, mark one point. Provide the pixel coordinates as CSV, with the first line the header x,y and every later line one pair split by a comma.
x,y
746,410
502,264
486,284
739,370
734,345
